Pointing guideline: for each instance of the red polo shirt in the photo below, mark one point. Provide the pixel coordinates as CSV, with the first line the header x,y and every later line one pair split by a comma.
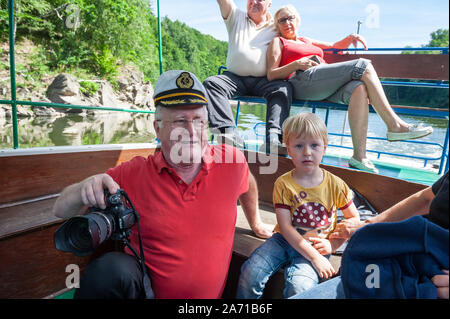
x,y
187,230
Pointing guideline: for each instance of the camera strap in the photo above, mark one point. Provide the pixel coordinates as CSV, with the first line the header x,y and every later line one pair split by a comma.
x,y
149,294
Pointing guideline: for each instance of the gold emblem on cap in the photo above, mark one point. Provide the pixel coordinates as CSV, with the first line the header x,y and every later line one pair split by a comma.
x,y
172,102
185,81
196,101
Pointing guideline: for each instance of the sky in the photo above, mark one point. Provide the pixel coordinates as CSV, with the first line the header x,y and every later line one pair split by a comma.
x,y
385,23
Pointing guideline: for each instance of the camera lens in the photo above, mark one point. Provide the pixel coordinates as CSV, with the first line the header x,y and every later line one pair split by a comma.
x,y
79,236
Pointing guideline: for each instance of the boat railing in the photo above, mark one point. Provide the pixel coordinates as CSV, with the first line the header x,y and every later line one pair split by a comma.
x,y
433,81
443,50
425,159
438,82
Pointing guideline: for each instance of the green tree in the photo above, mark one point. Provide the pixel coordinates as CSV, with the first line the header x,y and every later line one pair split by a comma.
x,y
109,34
439,38
415,96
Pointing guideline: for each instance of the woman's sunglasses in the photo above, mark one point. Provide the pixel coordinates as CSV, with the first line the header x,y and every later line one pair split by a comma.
x,y
286,19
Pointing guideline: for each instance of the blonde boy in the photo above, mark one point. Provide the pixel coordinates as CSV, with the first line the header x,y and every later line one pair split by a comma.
x,y
306,200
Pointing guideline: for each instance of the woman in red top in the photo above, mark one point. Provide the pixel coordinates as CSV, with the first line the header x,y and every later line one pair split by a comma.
x,y
300,61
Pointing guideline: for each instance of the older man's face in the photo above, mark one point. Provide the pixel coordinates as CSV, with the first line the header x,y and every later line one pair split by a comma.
x,y
182,132
258,8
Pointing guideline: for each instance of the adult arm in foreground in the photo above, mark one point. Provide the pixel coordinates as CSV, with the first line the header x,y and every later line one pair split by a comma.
x,y
416,204
249,203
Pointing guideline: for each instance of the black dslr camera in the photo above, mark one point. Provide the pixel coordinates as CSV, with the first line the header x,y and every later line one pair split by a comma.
x,y
81,235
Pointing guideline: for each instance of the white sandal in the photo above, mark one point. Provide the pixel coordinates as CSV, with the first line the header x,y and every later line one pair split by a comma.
x,y
364,165
415,131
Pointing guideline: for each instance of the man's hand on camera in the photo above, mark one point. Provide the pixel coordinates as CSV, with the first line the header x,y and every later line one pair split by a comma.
x,y
92,190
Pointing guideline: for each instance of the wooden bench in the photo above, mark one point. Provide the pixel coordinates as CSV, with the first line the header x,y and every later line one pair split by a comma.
x,y
390,67
30,265
245,242
376,188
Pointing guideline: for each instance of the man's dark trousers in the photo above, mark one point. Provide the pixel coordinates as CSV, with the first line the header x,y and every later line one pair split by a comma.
x,y
115,275
221,88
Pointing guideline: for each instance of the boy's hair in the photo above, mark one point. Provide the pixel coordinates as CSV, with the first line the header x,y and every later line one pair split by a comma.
x,y
307,124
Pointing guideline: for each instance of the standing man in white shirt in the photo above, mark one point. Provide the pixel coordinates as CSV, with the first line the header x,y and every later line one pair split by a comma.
x,y
249,35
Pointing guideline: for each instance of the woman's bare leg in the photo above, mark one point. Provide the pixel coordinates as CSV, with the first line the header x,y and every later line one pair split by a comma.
x,y
358,117
380,103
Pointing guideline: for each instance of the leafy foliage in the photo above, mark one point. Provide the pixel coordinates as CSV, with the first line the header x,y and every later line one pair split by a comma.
x,y
414,96
95,37
98,36
439,39
89,88
187,49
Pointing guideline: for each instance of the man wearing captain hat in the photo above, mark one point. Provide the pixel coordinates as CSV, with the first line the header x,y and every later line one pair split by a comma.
x,y
186,197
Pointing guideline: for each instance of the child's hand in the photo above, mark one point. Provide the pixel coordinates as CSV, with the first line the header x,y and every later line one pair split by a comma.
x,y
346,228
323,266
322,245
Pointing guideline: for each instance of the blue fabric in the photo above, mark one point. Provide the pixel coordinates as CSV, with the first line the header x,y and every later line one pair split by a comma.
x,y
330,289
407,254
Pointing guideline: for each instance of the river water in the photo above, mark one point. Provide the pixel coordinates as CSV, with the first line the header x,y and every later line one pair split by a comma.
x,y
75,129
338,123
121,127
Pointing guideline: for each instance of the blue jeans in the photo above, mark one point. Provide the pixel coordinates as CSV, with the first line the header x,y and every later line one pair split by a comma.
x,y
266,260
330,289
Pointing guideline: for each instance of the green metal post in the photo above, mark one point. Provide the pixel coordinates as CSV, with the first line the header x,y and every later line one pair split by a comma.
x,y
12,72
159,41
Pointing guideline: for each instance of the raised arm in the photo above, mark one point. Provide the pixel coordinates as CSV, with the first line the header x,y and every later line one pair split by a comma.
x,y
277,72
342,44
225,7
76,198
